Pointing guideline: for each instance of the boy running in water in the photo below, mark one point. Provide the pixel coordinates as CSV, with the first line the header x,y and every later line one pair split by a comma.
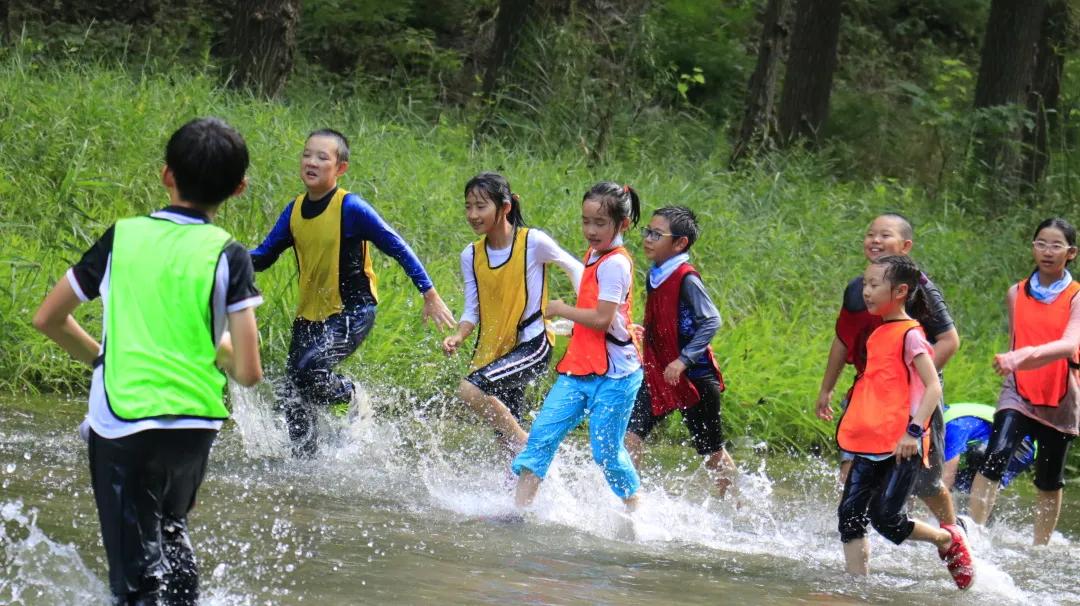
x,y
892,234
330,228
174,288
680,370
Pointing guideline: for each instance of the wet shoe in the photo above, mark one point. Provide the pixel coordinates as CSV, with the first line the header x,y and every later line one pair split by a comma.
x,y
958,557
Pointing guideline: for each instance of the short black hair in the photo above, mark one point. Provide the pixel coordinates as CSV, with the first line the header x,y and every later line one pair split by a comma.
x,y
342,142
208,159
907,231
683,223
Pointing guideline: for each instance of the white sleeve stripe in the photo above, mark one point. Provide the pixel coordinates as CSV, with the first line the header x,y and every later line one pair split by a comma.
x,y
75,285
244,304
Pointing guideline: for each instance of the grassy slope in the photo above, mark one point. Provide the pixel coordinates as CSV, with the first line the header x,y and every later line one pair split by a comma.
x,y
80,148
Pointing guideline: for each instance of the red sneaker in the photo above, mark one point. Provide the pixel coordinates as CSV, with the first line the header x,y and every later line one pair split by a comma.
x,y
958,557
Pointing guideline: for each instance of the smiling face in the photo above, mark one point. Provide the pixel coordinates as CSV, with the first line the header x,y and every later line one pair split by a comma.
x,y
483,213
1052,252
597,225
319,165
880,296
885,236
659,251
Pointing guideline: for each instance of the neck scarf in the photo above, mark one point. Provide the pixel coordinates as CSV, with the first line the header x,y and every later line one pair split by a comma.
x,y
659,273
1047,294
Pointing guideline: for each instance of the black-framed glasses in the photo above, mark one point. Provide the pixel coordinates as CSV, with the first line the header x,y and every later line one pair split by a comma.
x,y
652,235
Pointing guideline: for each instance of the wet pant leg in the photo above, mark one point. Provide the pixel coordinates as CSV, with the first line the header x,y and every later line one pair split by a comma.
x,y
144,486
609,414
562,411
876,493
314,352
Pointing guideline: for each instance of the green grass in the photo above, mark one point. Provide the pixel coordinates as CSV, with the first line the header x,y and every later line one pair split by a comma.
x,y
82,146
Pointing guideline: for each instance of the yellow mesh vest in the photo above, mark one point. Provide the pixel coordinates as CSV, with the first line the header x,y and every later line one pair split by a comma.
x,y
503,295
317,243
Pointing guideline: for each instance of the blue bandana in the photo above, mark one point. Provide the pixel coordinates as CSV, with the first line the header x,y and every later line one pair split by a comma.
x,y
659,273
1047,294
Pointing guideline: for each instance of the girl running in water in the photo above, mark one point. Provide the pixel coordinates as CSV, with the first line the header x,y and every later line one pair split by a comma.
x,y
1040,396
505,274
885,427
601,372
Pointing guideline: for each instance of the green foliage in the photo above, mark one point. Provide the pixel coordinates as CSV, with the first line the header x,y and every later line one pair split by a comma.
x,y
82,146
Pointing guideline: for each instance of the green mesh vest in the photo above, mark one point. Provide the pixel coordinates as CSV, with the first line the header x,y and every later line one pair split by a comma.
x,y
159,342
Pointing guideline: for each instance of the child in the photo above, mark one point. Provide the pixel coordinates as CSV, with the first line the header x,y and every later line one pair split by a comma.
x,y
680,321
171,283
1040,396
967,432
884,424
891,234
505,295
329,228
601,371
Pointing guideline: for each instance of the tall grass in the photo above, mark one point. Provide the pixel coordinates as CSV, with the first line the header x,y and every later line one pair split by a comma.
x,y
82,146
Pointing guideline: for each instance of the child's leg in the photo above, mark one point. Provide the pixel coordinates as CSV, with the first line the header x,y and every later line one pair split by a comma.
x,y
888,512
497,414
496,392
859,488
183,462
563,410
1049,479
313,368
1010,427
610,410
704,422
929,486
642,422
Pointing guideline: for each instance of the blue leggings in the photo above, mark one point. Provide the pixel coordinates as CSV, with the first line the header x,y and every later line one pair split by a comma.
x,y
609,403
316,349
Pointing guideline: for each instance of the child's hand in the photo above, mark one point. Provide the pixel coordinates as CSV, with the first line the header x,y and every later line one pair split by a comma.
x,y
437,311
555,308
450,344
906,447
824,406
1002,364
224,356
673,371
639,332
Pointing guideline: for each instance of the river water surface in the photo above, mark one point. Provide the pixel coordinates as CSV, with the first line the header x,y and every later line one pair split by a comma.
x,y
407,509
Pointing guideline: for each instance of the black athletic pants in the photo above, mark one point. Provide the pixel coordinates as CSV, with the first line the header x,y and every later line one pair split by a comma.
x,y
144,485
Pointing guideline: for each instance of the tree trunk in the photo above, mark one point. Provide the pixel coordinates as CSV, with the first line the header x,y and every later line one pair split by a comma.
x,y
511,20
5,30
1042,101
1006,74
263,41
759,126
804,103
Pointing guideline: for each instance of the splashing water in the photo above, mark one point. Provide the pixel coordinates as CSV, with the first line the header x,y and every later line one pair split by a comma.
x,y
410,504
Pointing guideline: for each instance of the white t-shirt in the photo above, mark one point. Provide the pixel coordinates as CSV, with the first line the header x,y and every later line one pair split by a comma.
x,y
614,276
540,250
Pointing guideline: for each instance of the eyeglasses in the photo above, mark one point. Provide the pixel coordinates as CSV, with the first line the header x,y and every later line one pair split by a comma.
x,y
1055,247
652,235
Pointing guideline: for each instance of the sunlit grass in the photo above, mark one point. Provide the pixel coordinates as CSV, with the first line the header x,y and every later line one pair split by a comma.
x,y
81,147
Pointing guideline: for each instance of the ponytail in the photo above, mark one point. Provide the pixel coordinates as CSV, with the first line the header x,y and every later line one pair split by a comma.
x,y
619,201
496,188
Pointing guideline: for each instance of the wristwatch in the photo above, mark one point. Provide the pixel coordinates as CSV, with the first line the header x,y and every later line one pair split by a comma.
x,y
915,430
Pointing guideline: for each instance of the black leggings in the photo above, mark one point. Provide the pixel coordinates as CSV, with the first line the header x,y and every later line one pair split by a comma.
x,y
1052,448
876,493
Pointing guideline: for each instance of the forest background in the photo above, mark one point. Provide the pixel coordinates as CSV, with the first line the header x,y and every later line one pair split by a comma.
x,y
786,125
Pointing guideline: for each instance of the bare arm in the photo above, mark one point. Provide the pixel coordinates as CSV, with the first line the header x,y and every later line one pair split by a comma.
x,y
1034,356
833,368
599,318
238,352
53,319
924,364
946,346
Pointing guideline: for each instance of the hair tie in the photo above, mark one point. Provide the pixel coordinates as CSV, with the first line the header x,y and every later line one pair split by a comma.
x,y
515,197
625,189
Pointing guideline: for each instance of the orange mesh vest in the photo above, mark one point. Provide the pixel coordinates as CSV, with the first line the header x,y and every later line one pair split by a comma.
x,y
880,408
1036,323
587,352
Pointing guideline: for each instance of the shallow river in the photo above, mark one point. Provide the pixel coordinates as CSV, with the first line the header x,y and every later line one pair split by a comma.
x,y
406,511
